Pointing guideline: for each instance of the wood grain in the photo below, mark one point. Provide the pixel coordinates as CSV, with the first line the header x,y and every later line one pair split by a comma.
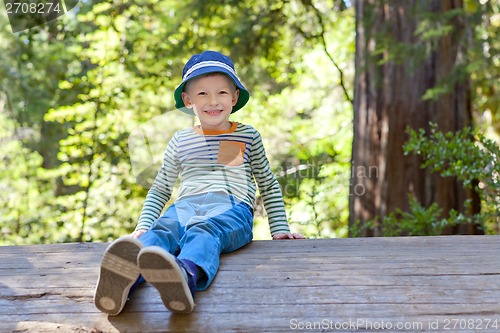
x,y
410,284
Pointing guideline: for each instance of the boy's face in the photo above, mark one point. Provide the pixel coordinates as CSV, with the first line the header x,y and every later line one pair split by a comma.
x,y
212,99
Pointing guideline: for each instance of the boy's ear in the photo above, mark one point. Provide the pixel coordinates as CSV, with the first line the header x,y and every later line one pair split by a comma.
x,y
236,94
187,100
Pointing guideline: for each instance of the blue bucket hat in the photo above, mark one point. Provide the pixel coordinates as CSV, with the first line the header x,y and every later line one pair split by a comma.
x,y
204,63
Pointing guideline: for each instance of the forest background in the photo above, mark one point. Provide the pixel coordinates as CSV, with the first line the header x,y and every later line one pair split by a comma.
x,y
86,109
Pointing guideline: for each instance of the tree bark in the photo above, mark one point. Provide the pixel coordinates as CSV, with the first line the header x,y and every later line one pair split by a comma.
x,y
394,69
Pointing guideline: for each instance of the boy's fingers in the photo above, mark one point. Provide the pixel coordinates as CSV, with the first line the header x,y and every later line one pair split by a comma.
x,y
288,236
280,236
138,233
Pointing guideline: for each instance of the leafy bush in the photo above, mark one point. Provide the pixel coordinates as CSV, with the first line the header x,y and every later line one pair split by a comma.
x,y
418,221
469,156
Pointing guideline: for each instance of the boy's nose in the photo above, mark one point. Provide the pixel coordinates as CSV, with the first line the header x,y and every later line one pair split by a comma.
x,y
212,100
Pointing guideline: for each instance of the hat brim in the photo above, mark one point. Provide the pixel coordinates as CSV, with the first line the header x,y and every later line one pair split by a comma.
x,y
243,97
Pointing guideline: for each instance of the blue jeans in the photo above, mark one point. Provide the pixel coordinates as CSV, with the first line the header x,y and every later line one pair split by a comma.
x,y
200,228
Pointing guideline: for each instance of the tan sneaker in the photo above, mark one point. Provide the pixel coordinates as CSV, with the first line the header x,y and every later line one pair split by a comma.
x,y
119,271
173,280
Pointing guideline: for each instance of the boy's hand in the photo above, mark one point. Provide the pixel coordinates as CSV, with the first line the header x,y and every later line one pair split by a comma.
x,y
288,235
138,233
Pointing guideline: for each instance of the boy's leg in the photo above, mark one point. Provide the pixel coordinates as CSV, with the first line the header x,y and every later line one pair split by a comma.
x,y
216,225
225,227
174,280
166,232
158,264
118,273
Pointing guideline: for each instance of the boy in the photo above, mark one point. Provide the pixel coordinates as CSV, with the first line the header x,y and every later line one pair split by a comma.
x,y
179,252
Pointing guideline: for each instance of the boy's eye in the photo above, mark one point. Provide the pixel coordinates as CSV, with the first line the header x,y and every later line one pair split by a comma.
x,y
202,93
223,92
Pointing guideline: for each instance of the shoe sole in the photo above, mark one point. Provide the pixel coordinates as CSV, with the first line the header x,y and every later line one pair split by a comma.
x,y
159,268
118,273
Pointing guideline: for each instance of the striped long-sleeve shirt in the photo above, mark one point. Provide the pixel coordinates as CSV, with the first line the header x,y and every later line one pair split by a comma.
x,y
209,161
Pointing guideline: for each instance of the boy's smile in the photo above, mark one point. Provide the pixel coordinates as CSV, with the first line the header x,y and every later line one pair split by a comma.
x,y
214,112
212,99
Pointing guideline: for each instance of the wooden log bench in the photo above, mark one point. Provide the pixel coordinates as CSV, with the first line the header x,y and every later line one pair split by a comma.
x,y
411,284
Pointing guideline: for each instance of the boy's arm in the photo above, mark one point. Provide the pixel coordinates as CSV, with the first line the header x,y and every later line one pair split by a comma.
x,y
161,189
269,189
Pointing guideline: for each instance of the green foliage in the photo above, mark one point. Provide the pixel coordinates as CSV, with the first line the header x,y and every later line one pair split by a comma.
x,y
307,128
466,155
471,158
23,186
83,85
86,83
475,26
418,221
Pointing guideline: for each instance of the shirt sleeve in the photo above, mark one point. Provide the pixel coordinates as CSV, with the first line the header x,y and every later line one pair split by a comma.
x,y
161,189
269,188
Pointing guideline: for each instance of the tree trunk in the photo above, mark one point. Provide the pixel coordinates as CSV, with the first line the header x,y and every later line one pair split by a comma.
x,y
394,69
